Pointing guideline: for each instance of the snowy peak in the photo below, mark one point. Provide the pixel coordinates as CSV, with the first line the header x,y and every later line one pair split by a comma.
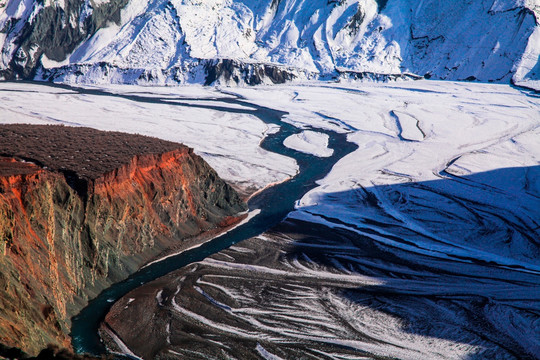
x,y
488,41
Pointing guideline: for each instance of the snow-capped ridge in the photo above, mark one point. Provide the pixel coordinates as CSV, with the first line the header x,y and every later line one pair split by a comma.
x,y
457,40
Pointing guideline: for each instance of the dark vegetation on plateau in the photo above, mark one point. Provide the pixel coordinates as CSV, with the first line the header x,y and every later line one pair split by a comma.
x,y
81,154
87,152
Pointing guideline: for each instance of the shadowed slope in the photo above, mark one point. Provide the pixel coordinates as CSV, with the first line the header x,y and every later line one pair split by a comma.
x,y
383,288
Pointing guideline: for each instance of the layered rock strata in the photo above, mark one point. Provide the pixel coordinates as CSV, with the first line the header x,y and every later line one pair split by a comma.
x,y
81,209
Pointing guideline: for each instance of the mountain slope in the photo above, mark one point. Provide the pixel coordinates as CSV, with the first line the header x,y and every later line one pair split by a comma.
x,y
181,40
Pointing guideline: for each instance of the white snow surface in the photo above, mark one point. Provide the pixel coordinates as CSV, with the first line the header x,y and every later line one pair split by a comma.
x,y
309,142
437,135
425,133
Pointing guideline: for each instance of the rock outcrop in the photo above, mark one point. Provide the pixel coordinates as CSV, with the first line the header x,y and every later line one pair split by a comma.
x,y
81,209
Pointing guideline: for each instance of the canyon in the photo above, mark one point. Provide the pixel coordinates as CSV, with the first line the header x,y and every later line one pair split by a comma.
x,y
81,209
408,228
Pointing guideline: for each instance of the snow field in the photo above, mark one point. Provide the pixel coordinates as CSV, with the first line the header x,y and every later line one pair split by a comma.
x,y
455,40
426,149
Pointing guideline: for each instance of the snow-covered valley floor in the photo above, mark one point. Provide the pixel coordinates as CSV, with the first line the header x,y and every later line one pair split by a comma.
x,y
422,243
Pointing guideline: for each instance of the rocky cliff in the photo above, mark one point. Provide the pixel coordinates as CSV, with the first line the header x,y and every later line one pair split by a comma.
x,y
81,209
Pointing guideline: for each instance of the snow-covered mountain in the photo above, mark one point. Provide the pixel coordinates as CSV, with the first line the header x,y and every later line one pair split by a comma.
x,y
253,41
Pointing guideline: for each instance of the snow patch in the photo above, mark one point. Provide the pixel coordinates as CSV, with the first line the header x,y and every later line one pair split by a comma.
x,y
266,354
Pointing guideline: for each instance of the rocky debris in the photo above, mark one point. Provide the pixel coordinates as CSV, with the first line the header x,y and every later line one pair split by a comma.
x,y
229,70
81,209
212,71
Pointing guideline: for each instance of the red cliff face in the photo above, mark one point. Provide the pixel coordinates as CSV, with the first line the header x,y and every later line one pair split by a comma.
x,y
62,240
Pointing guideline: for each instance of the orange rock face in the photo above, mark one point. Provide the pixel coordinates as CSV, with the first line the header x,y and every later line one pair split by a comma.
x,y
61,245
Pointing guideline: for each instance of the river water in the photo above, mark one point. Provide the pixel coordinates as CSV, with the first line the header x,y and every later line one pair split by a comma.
x,y
274,204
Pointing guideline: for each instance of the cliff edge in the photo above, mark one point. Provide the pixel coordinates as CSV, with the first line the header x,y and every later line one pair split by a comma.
x,y
81,209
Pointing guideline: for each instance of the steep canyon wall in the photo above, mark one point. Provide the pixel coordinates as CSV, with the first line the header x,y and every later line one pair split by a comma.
x,y
65,237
